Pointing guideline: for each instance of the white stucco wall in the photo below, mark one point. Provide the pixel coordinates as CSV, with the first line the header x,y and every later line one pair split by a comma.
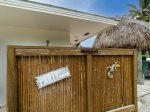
x,y
28,38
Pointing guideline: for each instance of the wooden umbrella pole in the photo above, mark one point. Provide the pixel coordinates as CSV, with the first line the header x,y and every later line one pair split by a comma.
x,y
140,71
147,54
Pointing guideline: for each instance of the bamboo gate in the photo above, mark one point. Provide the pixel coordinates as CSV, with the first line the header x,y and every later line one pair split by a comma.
x,y
88,89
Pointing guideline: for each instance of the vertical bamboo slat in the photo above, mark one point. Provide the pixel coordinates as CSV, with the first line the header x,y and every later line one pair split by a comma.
x,y
107,92
57,95
11,81
89,84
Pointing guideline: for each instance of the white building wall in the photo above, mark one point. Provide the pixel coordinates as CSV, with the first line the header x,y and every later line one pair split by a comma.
x,y
26,37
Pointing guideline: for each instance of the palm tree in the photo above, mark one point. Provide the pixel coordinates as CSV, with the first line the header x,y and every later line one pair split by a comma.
x,y
141,12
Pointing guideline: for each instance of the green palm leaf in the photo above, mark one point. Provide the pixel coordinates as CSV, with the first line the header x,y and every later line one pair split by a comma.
x,y
145,4
143,13
133,6
134,13
146,18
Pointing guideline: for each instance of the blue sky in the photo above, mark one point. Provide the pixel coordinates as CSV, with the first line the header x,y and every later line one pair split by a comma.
x,y
109,8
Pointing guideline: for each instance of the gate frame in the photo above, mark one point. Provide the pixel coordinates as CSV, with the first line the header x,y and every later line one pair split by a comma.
x,y
13,51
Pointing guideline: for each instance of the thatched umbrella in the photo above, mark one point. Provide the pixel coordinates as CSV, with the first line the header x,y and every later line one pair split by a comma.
x,y
129,33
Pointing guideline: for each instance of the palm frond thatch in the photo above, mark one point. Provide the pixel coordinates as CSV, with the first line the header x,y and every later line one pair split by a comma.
x,y
129,33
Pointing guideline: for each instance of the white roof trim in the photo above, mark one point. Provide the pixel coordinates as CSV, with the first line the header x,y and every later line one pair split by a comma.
x,y
57,11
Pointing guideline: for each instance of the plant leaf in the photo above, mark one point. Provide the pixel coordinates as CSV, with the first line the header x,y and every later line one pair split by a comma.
x,y
142,4
132,6
146,18
145,4
134,12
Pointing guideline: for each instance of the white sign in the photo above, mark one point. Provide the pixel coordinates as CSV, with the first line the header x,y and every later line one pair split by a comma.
x,y
148,59
52,77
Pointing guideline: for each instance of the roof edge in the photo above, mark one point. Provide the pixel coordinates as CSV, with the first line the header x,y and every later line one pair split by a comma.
x,y
50,9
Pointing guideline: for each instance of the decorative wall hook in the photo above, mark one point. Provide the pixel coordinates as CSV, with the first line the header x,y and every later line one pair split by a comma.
x,y
111,69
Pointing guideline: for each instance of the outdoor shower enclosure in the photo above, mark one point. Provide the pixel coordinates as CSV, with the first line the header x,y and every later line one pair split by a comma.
x,y
88,89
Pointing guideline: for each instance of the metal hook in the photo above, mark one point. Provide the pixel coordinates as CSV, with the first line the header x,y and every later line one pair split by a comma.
x,y
47,43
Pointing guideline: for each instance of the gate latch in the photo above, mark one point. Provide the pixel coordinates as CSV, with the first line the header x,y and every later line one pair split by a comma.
x,y
110,70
